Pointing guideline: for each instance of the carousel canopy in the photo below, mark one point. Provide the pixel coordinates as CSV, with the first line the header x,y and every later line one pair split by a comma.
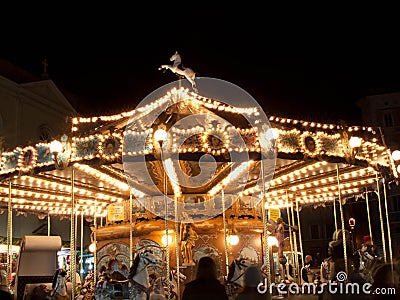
x,y
116,156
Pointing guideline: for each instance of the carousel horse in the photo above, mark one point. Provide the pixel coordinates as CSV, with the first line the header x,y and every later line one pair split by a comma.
x,y
234,281
160,286
102,290
87,289
139,284
189,74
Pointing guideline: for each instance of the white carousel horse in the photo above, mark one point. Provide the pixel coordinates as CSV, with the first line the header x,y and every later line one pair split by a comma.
x,y
234,281
160,286
189,74
139,283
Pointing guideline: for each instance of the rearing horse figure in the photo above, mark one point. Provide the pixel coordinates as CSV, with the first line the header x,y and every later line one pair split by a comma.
x,y
139,277
160,286
189,74
234,281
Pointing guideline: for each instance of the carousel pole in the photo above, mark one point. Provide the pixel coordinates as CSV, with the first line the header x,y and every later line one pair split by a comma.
x,y
9,234
290,228
265,223
95,243
335,215
48,224
296,258
167,238
178,285
225,235
81,257
381,218
300,239
346,267
72,266
368,214
388,224
76,234
130,230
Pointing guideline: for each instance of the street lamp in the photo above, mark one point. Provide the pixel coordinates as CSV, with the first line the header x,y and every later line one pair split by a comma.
x,y
352,223
160,135
233,239
355,142
166,240
272,134
61,152
396,155
92,247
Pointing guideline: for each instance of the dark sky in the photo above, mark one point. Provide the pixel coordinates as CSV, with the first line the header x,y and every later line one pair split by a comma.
x,y
304,66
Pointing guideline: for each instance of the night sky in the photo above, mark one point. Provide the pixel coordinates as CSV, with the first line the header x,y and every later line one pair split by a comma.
x,y
312,66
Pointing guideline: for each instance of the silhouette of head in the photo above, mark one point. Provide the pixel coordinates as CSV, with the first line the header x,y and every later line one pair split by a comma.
x,y
206,268
252,276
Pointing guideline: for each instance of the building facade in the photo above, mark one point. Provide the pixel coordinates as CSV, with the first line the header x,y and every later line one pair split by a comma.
x,y
30,111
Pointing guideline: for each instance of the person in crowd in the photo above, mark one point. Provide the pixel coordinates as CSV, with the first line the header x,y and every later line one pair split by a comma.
x,y
59,285
368,252
285,270
366,259
5,293
324,270
78,281
306,269
252,278
337,254
206,285
386,280
308,260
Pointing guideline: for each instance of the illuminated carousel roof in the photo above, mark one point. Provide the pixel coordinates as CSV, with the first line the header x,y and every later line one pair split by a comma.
x,y
308,159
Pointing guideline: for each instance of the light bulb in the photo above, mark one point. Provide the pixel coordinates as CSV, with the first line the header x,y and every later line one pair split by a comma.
x,y
233,239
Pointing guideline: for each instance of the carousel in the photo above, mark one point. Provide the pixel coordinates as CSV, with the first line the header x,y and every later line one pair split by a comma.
x,y
189,173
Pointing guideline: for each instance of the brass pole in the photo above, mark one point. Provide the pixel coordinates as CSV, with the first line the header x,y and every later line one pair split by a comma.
x,y
72,237
381,219
130,231
81,258
225,235
178,284
265,220
368,214
342,219
167,238
300,239
296,258
335,215
9,234
95,242
48,224
290,228
388,230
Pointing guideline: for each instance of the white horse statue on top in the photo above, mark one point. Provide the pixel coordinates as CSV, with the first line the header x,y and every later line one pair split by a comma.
x,y
189,74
